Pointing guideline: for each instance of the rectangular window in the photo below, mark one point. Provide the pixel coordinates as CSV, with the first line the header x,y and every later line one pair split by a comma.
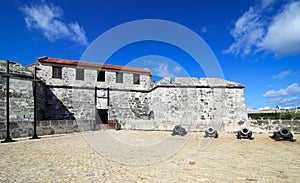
x,y
136,79
79,74
119,77
101,76
56,72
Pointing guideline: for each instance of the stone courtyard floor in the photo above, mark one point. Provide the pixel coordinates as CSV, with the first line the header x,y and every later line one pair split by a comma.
x,y
149,156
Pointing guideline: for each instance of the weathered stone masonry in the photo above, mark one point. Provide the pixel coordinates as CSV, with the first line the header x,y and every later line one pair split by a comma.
x,y
21,98
74,96
191,102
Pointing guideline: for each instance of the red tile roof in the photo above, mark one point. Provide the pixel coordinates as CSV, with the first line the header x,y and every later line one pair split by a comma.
x,y
90,64
267,110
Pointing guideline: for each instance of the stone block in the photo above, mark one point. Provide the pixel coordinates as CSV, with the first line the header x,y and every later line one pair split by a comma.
x,y
70,123
54,122
286,123
45,123
48,131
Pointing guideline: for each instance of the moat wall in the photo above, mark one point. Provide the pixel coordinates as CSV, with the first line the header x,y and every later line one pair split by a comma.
x,y
25,129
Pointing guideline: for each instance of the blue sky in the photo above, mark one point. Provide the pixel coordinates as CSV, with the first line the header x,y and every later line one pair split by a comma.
x,y
257,43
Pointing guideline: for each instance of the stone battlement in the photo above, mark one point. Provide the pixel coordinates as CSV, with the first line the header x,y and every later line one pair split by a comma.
x,y
195,82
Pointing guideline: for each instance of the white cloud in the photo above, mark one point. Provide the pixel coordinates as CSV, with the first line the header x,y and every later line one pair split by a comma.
x,y
283,35
286,102
282,75
293,89
254,31
166,70
78,33
204,29
266,3
47,19
177,69
163,70
247,32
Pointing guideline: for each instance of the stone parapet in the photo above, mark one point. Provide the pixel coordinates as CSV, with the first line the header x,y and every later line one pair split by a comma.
x,y
195,82
14,69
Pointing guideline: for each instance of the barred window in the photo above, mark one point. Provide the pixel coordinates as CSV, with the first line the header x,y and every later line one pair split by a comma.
x,y
79,74
56,72
101,76
119,77
136,79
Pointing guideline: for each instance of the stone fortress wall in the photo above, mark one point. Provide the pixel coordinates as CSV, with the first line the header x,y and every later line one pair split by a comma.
x,y
191,102
68,104
21,97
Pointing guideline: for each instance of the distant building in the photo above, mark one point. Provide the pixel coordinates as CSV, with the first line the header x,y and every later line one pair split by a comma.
x,y
275,110
269,110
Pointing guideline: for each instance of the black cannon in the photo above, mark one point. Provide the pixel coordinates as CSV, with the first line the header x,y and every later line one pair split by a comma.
x,y
211,132
283,134
179,130
244,133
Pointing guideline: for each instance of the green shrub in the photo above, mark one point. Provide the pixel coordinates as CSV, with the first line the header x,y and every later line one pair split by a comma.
x,y
281,115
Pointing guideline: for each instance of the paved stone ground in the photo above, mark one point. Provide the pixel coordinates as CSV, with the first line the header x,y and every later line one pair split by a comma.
x,y
81,158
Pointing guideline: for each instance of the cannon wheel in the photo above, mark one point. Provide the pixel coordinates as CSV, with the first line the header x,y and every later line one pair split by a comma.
x,y
239,136
206,135
250,136
277,136
217,135
117,126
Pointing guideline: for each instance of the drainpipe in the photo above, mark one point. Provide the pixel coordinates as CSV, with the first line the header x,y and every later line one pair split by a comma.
x,y
8,138
35,136
95,121
108,97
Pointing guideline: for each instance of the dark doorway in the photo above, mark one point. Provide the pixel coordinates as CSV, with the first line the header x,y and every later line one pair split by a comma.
x,y
102,116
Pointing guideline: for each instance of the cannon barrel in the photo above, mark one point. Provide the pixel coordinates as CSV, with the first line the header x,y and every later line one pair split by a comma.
x,y
285,132
245,131
211,132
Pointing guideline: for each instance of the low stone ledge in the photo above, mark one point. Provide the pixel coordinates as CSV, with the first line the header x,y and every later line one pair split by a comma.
x,y
49,127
